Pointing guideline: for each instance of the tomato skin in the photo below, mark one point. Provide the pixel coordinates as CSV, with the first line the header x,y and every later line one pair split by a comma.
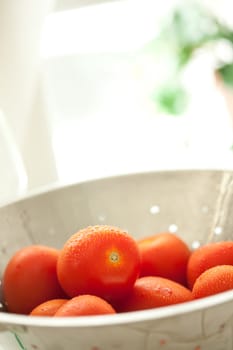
x,y
164,255
30,279
151,292
207,256
48,308
84,305
215,280
99,260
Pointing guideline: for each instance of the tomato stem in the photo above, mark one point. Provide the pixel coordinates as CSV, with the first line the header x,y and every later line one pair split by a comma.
x,y
114,257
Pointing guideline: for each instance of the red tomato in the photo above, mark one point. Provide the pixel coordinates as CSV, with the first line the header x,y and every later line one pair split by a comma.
x,y
215,280
152,292
164,255
48,308
30,279
84,305
207,256
99,260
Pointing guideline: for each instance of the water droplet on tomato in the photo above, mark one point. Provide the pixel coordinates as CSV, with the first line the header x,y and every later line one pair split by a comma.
x,y
167,291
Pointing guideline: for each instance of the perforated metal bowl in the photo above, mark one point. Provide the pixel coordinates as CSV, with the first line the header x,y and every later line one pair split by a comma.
x,y
191,203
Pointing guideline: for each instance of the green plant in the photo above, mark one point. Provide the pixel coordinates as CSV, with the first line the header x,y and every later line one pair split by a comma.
x,y
188,29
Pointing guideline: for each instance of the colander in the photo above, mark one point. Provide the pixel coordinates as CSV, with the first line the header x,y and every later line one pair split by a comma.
x,y
195,204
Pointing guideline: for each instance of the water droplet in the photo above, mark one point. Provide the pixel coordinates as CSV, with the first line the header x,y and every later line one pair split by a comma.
x,y
101,218
204,209
218,230
155,209
173,228
167,291
196,244
157,289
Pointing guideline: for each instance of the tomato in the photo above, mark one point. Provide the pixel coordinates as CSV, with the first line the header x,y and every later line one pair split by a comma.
x,y
84,305
215,280
152,292
30,279
207,256
48,308
99,260
165,255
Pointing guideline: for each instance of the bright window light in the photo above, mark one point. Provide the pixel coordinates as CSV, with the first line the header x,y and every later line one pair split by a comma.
x,y
109,27
98,86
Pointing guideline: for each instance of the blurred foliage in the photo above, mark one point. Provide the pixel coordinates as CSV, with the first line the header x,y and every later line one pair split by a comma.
x,y
226,72
186,30
171,98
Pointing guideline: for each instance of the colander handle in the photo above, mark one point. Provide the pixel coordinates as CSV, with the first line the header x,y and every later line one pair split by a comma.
x,y
14,154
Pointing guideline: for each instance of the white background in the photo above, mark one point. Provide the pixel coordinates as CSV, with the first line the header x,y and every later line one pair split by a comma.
x,y
90,115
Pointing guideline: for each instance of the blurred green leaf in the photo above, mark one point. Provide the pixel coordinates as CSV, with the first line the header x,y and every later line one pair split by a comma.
x,y
171,99
184,31
185,55
190,25
226,72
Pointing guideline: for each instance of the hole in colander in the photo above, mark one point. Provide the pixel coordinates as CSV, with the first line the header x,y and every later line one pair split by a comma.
x,y
173,228
102,218
205,209
155,209
195,245
218,230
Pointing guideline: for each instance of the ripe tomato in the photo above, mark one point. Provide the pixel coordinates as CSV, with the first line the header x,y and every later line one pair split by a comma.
x,y
152,292
207,256
215,280
99,260
30,279
165,255
48,308
84,305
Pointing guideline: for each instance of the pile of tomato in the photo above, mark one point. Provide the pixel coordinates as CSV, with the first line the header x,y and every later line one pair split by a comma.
x,y
104,270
